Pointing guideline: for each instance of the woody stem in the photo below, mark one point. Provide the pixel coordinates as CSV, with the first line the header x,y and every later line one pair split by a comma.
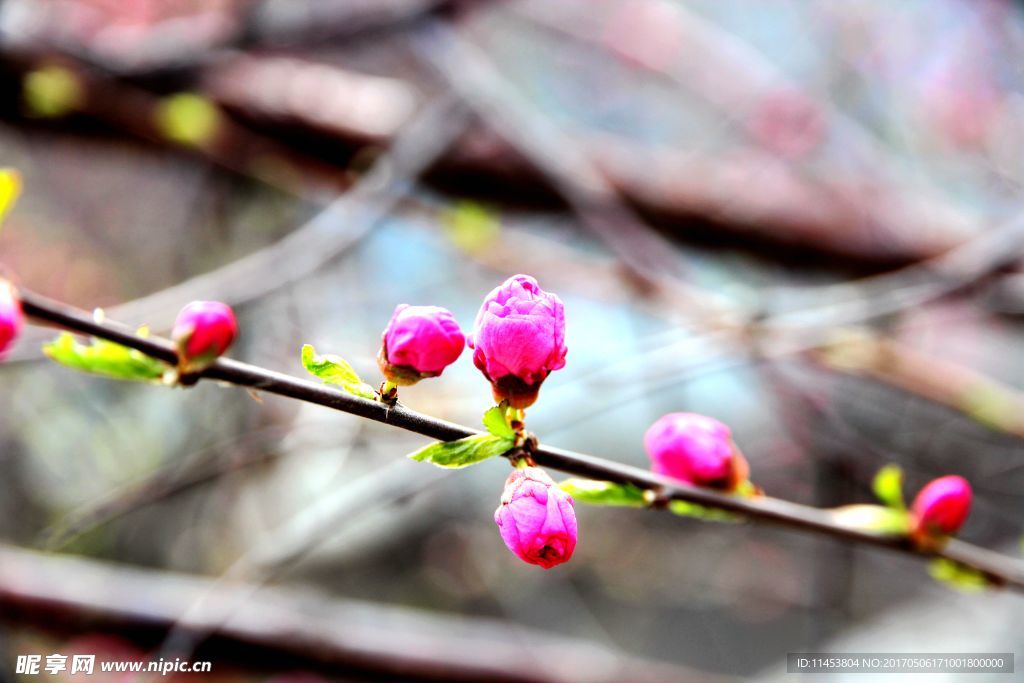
x,y
999,568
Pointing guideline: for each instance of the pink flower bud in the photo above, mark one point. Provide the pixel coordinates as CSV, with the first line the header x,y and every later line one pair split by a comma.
x,y
203,331
519,339
11,317
696,449
419,342
536,518
941,507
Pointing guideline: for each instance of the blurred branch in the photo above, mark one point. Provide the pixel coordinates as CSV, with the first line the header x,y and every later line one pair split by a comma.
x,y
817,309
286,629
813,328
135,111
850,219
468,72
832,209
1000,569
332,231
983,399
176,42
307,22
248,450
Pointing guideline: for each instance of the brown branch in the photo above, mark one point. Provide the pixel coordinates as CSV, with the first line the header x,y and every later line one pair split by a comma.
x,y
242,624
847,218
1000,569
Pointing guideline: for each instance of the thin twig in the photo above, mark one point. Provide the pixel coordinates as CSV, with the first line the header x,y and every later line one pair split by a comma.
x,y
598,204
824,307
982,398
998,568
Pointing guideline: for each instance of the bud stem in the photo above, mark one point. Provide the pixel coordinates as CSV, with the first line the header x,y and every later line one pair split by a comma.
x,y
388,392
516,417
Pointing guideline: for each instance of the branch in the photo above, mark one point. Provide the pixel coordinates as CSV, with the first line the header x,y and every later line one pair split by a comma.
x,y
985,400
674,185
822,210
278,628
999,569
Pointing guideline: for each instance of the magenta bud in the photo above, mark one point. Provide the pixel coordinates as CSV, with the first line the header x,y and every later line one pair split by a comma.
x,y
203,331
941,507
536,518
696,449
519,339
419,342
11,317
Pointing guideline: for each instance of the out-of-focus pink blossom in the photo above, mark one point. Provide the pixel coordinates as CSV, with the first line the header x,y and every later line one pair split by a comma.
x,y
419,342
696,449
11,317
203,331
941,507
536,518
519,339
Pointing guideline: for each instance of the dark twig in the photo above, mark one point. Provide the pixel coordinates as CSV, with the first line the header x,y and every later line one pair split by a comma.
x,y
998,568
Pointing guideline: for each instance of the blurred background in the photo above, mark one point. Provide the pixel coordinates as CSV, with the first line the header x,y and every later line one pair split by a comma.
x,y
801,218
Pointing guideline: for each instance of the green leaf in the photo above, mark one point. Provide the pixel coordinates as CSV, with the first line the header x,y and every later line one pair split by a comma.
x,y
337,371
888,487
885,520
746,489
105,358
603,492
472,227
464,452
51,92
495,422
188,119
958,576
331,369
686,509
10,188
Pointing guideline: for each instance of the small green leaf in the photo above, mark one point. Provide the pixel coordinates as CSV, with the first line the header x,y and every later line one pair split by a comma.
x,y
52,91
888,486
105,358
495,422
958,576
885,520
188,119
471,226
746,489
10,188
603,492
464,452
686,509
337,371
331,369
